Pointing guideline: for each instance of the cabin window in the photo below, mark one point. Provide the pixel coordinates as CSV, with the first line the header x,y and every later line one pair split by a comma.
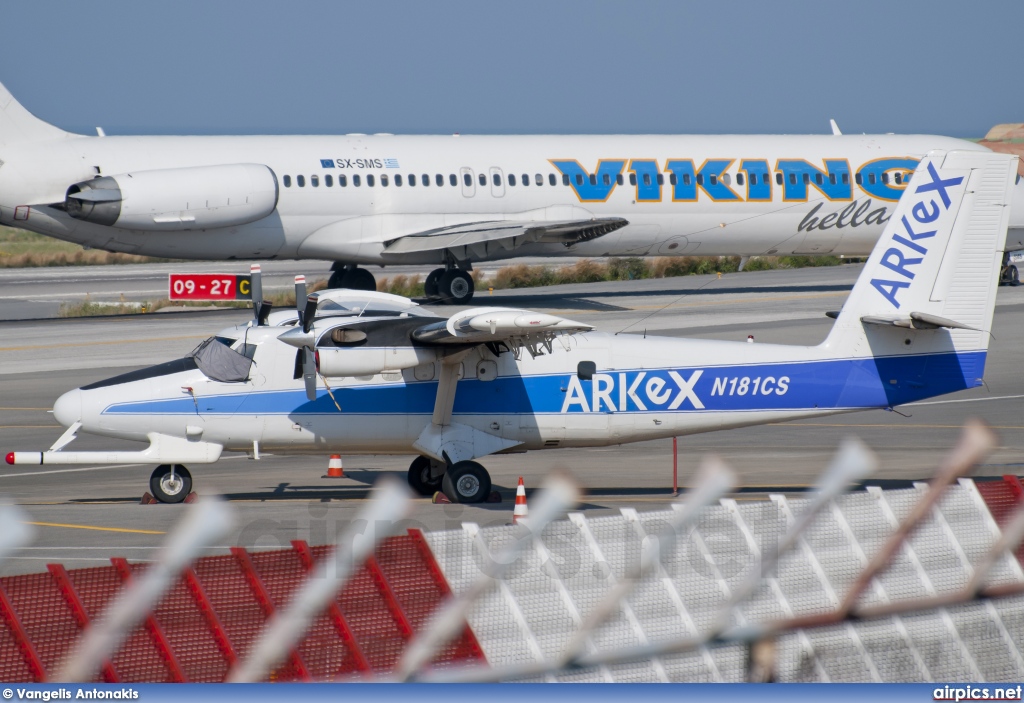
x,y
858,179
632,179
807,178
739,179
672,178
647,179
832,178
438,180
538,179
369,180
607,179
525,179
511,179
700,179
778,178
792,179
300,181
661,179
846,179
467,180
686,179
342,180
871,178
287,181
726,178
328,181
579,179
619,179
482,178
818,178
593,179
713,179
885,178
412,179
356,180
384,180
496,179
551,179
314,181
565,179
452,179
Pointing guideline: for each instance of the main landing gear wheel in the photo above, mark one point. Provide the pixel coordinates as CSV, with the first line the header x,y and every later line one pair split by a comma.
x,y
353,279
430,285
420,478
170,484
1013,276
455,287
466,482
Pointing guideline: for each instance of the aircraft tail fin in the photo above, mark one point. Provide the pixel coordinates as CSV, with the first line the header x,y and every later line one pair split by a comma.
x,y
19,125
930,282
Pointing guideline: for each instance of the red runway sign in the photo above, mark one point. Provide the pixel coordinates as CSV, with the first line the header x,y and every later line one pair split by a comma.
x,y
208,286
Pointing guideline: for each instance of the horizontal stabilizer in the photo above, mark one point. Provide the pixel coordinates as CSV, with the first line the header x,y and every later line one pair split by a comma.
x,y
480,238
917,321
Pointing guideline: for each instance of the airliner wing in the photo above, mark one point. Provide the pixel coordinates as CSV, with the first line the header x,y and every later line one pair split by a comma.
x,y
482,325
482,238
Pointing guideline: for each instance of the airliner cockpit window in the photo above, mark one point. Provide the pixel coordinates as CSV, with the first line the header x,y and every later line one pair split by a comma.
x,y
220,363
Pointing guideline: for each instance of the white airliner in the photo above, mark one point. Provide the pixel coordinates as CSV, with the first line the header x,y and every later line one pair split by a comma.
x,y
384,377
454,200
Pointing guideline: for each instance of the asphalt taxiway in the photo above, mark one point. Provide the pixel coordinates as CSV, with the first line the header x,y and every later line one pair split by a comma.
x,y
84,515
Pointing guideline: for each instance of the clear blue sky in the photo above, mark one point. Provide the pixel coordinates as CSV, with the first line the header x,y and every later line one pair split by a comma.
x,y
529,66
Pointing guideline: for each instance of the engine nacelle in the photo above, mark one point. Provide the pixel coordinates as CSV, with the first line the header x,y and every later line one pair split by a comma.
x,y
200,197
368,361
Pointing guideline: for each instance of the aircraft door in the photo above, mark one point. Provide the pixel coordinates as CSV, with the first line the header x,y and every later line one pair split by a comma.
x,y
497,182
468,182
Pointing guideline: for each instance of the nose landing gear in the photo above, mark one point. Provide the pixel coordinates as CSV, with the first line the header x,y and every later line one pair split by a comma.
x,y
351,276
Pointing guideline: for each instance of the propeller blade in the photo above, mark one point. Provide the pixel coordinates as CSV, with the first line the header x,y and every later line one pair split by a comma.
x,y
256,286
310,313
309,372
300,296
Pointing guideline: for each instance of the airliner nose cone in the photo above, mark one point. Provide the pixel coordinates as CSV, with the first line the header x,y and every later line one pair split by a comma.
x,y
68,408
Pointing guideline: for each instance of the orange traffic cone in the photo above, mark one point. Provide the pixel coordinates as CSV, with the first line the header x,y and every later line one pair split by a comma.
x,y
519,512
334,468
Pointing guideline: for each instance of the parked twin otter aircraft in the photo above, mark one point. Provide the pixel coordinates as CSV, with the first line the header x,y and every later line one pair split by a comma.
x,y
453,201
370,373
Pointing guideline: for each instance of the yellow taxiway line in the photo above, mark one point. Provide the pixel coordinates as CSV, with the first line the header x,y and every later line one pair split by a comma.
x,y
99,529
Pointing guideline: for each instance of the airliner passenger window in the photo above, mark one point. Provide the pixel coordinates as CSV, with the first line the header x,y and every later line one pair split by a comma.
x,y
632,179
398,179
661,179
672,178
412,179
647,179
526,179
739,179
369,180
846,179
482,178
726,178
753,179
618,179
579,179
356,181
452,180
425,179
439,180
496,179
511,179
565,179
328,180
858,179
832,178
713,179
686,179
898,177
551,179
301,180
792,179
383,180
314,181
871,178
287,181
700,179
807,178
342,180
467,180
538,179
885,178
607,180
778,178
818,178
593,179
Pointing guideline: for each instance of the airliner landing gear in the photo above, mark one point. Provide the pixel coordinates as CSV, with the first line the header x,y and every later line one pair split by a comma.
x,y
424,480
450,286
466,482
170,484
352,277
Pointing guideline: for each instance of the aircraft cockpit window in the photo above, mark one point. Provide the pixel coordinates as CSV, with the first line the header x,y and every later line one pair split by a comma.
x,y
300,181
226,341
328,181
342,180
287,181
219,363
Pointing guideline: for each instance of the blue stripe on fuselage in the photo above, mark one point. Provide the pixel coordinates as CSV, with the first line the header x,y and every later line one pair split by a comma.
x,y
832,384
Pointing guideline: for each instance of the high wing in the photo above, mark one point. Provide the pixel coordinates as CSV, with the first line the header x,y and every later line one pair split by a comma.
x,y
479,239
484,325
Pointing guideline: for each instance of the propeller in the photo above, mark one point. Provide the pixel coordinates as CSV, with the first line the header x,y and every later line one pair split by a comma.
x,y
256,287
309,371
300,295
305,357
309,314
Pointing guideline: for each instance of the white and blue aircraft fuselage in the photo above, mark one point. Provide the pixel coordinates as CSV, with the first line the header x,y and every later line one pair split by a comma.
x,y
381,376
455,200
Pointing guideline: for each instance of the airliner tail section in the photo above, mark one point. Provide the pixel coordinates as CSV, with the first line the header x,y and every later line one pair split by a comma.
x,y
936,265
19,125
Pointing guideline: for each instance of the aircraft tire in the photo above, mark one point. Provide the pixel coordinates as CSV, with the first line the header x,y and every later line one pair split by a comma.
x,y
337,279
455,287
359,279
430,285
466,482
1014,276
168,490
420,479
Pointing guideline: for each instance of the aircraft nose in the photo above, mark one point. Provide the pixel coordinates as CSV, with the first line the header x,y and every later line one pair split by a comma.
x,y
68,408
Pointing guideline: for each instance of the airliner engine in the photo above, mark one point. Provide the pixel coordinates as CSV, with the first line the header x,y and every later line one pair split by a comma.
x,y
201,197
